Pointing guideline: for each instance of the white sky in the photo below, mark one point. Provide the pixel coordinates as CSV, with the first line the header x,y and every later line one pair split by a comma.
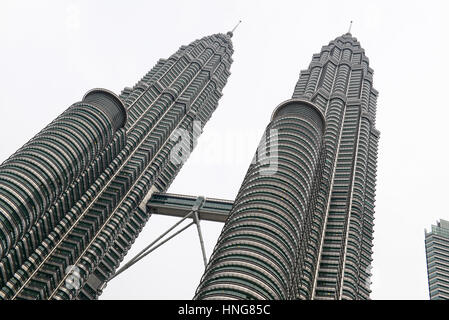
x,y
52,52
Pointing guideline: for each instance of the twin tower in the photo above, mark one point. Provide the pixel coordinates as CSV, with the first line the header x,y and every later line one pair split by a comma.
x,y
74,197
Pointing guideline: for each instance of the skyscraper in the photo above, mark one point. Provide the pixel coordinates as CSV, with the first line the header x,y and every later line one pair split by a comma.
x,y
437,257
72,199
301,226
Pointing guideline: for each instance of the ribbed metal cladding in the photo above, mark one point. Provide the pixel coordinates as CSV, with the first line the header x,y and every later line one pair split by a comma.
x,y
34,177
257,252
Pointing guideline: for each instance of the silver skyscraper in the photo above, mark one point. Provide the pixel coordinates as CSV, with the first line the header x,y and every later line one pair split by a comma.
x,y
73,199
301,226
437,257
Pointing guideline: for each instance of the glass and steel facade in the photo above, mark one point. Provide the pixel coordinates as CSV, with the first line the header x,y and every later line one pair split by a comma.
x,y
437,257
305,231
74,196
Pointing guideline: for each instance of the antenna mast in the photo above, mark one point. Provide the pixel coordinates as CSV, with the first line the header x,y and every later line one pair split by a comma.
x,y
350,27
231,33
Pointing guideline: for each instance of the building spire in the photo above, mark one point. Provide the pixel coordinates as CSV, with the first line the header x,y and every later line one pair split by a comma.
x,y
350,27
231,33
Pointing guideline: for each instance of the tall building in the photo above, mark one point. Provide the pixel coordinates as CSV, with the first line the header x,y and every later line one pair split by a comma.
x,y
72,199
301,226
437,256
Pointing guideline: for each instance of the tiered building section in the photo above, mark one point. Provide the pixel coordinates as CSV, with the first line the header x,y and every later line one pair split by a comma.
x,y
437,256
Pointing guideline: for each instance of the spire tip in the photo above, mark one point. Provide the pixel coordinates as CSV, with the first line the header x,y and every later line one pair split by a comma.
x,y
231,33
350,27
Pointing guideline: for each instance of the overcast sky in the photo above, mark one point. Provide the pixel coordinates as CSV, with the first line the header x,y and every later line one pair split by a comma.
x,y
52,52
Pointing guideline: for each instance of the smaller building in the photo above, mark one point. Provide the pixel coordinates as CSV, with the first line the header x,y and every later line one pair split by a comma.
x,y
437,256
